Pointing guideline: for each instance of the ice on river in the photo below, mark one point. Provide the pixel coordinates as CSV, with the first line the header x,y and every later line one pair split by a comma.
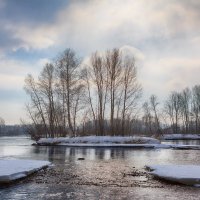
x,y
15,169
99,140
184,174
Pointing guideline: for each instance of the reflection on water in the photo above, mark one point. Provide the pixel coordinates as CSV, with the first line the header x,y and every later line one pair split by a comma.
x,y
19,147
108,162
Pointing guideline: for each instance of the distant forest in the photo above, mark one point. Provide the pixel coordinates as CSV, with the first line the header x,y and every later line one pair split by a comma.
x,y
101,96
13,130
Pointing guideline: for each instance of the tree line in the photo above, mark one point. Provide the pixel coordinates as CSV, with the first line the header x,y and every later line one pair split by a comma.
x,y
102,96
180,113
70,98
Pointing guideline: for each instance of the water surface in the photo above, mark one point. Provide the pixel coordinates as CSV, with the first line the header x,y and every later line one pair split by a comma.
x,y
105,173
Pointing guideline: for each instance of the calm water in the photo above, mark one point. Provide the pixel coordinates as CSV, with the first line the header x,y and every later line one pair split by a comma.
x,y
104,174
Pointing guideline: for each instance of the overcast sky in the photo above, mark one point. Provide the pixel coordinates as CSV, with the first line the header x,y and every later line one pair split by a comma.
x,y
164,35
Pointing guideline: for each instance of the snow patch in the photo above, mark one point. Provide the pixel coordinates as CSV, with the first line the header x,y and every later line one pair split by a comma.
x,y
11,170
99,140
184,174
181,137
113,141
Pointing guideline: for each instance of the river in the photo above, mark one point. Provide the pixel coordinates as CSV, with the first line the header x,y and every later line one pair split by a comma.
x,y
105,173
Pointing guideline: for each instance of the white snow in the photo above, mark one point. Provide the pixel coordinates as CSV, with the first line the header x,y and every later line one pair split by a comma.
x,y
184,147
112,141
181,137
14,169
184,174
99,140
115,145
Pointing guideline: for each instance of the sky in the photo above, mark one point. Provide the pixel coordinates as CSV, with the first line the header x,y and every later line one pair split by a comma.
x,y
163,35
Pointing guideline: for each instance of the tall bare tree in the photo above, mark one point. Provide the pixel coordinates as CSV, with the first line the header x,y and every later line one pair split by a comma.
x,y
67,68
154,106
131,89
46,91
196,107
173,109
99,77
35,108
185,108
113,65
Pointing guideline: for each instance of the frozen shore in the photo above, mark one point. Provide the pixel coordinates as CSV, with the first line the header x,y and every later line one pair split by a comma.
x,y
184,174
115,141
103,140
11,170
181,137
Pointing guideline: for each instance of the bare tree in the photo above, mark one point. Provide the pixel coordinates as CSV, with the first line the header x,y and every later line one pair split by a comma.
x,y
196,107
105,94
46,91
113,65
154,106
67,67
99,77
185,108
2,124
147,118
35,108
86,75
173,109
131,89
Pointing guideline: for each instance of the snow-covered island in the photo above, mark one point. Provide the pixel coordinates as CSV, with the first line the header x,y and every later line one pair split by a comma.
x,y
184,174
112,141
181,137
11,170
99,141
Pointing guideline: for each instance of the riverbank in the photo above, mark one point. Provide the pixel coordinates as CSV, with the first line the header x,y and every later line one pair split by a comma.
x,y
112,141
181,137
101,140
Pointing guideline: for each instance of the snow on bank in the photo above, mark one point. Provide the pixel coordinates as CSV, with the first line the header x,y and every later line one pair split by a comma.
x,y
184,174
184,147
107,140
181,137
115,141
11,170
150,146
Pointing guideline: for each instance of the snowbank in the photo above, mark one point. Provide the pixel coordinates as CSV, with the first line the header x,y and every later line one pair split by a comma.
x,y
115,141
181,137
184,147
107,140
184,174
15,169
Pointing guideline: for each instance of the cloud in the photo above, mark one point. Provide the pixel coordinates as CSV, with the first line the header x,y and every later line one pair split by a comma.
x,y
163,35
91,25
31,12
12,112
131,51
13,72
169,74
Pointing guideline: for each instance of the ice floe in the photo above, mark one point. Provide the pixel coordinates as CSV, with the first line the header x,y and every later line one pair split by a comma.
x,y
11,170
184,174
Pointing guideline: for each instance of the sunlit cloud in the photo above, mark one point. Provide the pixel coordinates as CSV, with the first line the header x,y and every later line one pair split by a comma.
x,y
163,36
